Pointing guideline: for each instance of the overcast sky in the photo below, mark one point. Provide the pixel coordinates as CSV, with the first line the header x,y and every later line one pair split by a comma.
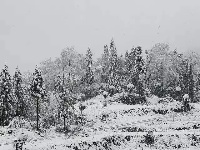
x,y
34,30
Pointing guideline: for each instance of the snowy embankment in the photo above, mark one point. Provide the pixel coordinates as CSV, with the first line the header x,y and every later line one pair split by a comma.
x,y
118,126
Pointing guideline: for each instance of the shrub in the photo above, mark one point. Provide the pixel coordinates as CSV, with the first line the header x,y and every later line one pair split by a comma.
x,y
104,104
158,111
19,123
48,121
82,107
180,107
104,117
90,91
60,129
132,99
149,138
105,94
79,120
132,129
112,90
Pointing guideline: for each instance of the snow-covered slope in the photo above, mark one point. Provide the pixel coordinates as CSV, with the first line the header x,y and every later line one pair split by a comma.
x,y
117,126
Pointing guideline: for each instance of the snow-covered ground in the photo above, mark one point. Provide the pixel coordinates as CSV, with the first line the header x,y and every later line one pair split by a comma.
x,y
117,126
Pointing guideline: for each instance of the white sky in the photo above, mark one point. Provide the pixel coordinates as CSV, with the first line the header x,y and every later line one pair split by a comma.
x,y
34,30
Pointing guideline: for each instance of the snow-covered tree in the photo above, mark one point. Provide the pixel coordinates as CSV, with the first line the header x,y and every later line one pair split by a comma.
x,y
184,76
89,76
88,80
65,99
198,82
113,64
135,68
139,60
18,93
51,68
105,64
121,73
6,102
191,83
158,68
37,91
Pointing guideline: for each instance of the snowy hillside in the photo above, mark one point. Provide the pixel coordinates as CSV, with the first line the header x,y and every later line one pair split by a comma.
x,y
116,126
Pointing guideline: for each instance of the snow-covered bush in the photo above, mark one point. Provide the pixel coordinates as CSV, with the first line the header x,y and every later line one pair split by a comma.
x,y
104,116
132,99
132,129
149,138
82,107
90,91
165,100
175,106
112,90
166,105
59,129
105,94
160,109
20,123
48,121
130,88
163,106
147,92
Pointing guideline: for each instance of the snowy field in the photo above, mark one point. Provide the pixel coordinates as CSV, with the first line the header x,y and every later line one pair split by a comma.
x,y
116,126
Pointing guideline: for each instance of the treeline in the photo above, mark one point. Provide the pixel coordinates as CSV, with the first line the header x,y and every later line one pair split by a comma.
x,y
49,94
159,71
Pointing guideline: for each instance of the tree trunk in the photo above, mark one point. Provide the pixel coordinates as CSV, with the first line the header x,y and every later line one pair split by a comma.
x,y
37,114
191,84
19,122
2,115
64,123
81,117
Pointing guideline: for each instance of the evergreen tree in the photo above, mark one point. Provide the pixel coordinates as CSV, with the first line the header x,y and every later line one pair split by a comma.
x,y
184,76
6,102
159,85
113,64
139,69
198,82
105,65
37,91
191,84
65,99
19,93
58,88
129,62
135,68
139,61
121,73
89,77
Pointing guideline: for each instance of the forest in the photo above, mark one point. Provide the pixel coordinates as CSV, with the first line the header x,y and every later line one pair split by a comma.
x,y
57,95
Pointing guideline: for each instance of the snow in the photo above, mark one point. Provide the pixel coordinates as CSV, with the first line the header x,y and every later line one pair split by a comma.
x,y
178,88
121,122
130,86
153,99
185,96
105,93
